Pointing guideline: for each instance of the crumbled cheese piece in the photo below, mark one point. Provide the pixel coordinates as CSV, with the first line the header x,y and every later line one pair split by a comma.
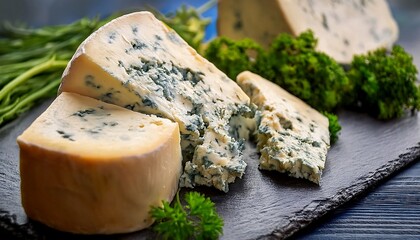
x,y
292,137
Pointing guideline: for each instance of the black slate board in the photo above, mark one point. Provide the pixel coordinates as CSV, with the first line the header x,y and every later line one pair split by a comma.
x,y
263,204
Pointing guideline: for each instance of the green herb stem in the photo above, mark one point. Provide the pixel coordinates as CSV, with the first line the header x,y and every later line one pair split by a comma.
x,y
50,64
28,101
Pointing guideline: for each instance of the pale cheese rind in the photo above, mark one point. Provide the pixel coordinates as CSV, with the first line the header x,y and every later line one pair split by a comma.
x,y
136,62
343,28
94,168
292,137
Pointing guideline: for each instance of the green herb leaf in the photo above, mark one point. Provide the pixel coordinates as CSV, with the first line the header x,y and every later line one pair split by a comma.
x,y
334,126
198,219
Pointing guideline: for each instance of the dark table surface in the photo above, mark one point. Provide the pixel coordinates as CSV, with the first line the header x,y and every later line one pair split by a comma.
x,y
390,210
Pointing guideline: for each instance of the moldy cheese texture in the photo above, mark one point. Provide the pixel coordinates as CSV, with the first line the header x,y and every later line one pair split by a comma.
x,y
136,62
292,137
343,27
94,168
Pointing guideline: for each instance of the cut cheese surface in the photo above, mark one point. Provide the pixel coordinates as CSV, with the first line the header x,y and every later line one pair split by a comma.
x,y
90,167
343,28
292,137
136,62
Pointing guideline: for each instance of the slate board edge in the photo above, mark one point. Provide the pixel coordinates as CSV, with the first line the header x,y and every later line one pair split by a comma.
x,y
310,213
9,230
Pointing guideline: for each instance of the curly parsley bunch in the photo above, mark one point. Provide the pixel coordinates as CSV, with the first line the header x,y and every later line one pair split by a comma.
x,y
295,64
233,57
384,83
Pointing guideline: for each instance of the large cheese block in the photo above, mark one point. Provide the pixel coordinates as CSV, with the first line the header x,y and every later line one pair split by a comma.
x,y
292,137
90,167
137,62
343,28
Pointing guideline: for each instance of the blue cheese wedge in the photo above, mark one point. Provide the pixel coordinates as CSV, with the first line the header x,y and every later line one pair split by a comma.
x,y
94,168
343,28
292,137
137,62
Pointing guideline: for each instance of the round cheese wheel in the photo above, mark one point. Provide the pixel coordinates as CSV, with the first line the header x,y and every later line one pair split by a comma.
x,y
94,168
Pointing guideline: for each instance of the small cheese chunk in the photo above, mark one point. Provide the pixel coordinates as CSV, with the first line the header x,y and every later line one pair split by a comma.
x,y
292,137
136,62
343,28
94,168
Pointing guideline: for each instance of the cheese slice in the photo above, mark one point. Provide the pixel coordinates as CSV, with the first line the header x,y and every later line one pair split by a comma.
x,y
292,137
343,28
94,168
137,62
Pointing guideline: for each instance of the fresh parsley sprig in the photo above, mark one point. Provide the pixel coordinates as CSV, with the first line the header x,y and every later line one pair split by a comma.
x,y
198,219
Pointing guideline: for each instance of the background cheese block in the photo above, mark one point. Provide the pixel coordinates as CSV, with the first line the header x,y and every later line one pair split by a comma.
x,y
343,28
136,62
292,137
91,167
